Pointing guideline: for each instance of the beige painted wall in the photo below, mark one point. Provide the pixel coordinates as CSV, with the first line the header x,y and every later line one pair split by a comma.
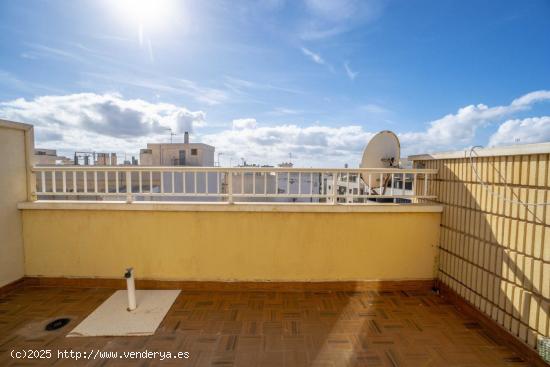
x,y
13,189
196,245
494,253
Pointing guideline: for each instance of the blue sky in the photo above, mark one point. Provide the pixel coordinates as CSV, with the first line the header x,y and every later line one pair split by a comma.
x,y
260,80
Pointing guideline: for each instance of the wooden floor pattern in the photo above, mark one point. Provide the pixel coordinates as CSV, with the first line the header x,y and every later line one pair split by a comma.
x,y
262,329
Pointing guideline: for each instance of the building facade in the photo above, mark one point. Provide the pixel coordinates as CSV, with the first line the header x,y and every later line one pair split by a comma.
x,y
177,154
48,157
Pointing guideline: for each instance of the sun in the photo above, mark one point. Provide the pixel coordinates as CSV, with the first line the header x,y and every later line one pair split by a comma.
x,y
147,15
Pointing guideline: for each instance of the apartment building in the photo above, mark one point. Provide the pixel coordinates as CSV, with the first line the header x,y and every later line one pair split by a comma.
x,y
177,154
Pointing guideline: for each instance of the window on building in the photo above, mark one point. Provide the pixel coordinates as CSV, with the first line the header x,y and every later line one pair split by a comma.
x,y
194,152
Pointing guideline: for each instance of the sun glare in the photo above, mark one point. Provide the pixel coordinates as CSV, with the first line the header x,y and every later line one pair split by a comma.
x,y
148,15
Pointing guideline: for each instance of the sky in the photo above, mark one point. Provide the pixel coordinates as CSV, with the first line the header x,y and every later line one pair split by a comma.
x,y
307,80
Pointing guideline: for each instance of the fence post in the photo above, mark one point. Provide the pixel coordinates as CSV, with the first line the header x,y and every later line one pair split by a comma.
x,y
230,187
129,197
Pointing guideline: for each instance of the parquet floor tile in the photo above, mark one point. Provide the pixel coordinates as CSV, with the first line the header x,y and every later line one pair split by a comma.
x,y
325,329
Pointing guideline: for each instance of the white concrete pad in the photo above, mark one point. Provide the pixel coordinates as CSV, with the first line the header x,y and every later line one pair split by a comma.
x,y
112,318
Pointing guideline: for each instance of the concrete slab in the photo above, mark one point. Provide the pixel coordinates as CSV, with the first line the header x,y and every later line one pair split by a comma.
x,y
112,318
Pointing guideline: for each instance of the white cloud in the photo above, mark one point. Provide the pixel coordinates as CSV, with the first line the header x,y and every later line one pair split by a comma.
x,y
530,98
351,74
313,56
334,146
311,145
108,122
459,129
522,131
244,124
99,121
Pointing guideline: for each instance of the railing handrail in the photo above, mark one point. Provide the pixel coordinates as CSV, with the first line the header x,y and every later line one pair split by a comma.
x,y
228,169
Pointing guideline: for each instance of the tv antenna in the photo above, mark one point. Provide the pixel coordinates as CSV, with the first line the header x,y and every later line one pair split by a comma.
x,y
172,134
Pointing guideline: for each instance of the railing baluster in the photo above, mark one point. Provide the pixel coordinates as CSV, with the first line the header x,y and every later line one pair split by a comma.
x,y
229,176
85,182
288,183
173,183
74,182
161,182
184,186
195,183
311,184
370,185
299,183
425,184
140,182
64,178
253,183
95,182
129,186
106,180
265,183
347,186
150,182
242,182
42,181
334,188
116,182
206,182
54,189
276,183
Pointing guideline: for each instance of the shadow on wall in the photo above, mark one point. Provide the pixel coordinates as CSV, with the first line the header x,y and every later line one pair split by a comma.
x,y
491,251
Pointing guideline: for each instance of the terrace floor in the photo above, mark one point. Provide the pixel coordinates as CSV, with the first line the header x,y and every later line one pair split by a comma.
x,y
262,329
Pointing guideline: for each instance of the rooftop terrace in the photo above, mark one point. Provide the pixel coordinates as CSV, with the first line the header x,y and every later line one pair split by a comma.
x,y
449,265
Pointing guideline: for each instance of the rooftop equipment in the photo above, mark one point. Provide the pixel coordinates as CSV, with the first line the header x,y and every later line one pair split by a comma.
x,y
382,151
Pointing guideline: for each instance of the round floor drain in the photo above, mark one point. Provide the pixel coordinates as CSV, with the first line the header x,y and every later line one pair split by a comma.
x,y
57,324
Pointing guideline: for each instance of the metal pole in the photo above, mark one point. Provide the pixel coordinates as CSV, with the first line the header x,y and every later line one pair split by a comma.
x,y
131,289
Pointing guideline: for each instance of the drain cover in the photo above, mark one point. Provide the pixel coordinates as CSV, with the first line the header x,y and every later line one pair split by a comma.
x,y
57,324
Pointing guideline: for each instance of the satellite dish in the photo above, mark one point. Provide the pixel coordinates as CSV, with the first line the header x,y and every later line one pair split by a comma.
x,y
382,151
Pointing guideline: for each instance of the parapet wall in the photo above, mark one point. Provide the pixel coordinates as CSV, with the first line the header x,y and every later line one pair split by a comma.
x,y
236,242
16,149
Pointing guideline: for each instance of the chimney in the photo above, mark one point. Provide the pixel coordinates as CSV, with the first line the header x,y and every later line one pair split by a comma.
x,y
186,137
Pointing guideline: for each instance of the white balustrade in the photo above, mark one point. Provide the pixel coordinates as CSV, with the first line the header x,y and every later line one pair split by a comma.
x,y
258,184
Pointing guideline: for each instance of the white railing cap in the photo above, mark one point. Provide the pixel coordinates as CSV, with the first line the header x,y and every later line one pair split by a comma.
x,y
226,169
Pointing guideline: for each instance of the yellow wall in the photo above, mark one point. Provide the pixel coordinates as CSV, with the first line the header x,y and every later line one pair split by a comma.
x,y
13,189
496,253
188,245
